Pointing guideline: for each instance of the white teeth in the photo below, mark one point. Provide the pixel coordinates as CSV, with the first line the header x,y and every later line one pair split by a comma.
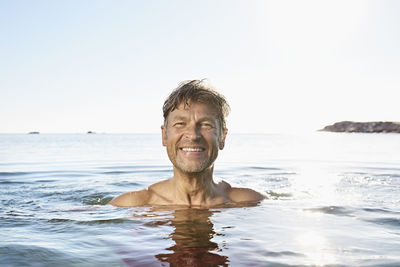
x,y
192,149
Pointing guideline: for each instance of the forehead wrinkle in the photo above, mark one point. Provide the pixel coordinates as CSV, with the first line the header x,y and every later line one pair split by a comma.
x,y
179,117
198,118
185,112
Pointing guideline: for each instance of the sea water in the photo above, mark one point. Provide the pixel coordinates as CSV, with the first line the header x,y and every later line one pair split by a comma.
x,y
333,200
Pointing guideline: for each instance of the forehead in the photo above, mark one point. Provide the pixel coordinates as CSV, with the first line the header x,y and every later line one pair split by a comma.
x,y
194,108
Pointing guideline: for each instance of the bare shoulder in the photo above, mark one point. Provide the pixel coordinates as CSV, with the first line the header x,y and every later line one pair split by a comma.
x,y
133,198
143,197
238,194
160,186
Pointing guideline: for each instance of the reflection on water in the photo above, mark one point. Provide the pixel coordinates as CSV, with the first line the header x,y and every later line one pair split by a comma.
x,y
333,201
176,236
193,231
316,247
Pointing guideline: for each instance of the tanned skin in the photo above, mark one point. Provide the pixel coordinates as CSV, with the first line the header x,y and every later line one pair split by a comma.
x,y
193,137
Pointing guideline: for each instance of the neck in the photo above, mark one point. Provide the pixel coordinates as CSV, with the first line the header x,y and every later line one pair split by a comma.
x,y
194,188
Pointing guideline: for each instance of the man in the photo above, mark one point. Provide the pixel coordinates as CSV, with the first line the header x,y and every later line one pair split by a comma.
x,y
194,131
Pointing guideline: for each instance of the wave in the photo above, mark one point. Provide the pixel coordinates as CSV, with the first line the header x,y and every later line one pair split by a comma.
x,y
96,199
263,168
34,174
375,175
385,221
78,173
31,255
379,210
133,167
7,182
334,210
7,174
35,255
275,195
382,168
127,183
280,253
103,221
137,171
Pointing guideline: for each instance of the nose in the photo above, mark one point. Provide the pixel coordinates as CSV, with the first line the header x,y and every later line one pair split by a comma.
x,y
192,132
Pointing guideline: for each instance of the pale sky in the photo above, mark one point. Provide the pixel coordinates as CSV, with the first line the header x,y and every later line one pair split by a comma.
x,y
284,66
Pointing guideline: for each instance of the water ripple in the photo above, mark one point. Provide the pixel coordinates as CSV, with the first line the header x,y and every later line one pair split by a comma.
x,y
386,221
7,174
334,210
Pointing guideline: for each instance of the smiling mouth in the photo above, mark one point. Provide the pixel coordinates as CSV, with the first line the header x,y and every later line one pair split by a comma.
x,y
192,149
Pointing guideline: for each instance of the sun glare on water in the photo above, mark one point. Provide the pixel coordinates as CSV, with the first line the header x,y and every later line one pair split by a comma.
x,y
316,182
316,247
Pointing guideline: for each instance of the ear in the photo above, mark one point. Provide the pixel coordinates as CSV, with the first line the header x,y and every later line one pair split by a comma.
x,y
163,135
222,141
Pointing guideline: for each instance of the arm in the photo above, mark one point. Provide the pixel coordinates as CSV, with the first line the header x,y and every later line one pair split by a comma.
x,y
131,199
237,194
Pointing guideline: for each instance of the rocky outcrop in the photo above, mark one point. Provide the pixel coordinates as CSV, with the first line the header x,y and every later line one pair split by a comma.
x,y
364,127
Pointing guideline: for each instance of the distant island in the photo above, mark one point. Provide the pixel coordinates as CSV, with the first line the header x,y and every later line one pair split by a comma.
x,y
363,127
33,133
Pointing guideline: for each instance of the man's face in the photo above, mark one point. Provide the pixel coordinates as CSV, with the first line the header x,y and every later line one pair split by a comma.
x,y
192,135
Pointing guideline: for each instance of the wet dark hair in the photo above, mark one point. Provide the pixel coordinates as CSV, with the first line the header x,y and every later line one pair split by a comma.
x,y
200,92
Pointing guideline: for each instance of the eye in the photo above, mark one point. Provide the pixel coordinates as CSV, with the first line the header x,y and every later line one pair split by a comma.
x,y
179,124
207,125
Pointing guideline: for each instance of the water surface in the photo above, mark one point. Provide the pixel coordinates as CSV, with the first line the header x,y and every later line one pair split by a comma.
x,y
333,200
